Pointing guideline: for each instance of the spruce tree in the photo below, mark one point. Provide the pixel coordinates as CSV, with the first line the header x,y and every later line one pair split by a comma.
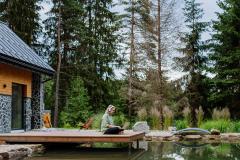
x,y
193,60
225,86
23,18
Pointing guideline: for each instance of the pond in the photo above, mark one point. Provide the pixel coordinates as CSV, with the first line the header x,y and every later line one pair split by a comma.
x,y
151,151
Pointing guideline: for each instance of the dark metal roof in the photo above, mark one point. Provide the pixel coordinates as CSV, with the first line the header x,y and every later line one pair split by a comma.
x,y
14,51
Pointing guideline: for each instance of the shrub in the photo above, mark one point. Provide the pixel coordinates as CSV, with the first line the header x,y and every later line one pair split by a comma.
x,y
155,117
142,114
181,124
119,119
168,117
221,125
77,108
236,126
200,115
221,114
97,121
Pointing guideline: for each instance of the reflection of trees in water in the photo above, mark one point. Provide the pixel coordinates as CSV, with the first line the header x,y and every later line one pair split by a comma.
x,y
217,151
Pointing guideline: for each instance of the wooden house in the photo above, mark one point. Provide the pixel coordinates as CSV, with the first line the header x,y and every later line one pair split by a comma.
x,y
21,84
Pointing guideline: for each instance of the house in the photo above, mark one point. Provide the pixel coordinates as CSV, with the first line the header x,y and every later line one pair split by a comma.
x,y
21,83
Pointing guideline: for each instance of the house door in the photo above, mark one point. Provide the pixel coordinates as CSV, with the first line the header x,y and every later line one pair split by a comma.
x,y
17,106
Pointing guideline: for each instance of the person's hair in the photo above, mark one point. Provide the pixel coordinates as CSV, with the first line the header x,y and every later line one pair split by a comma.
x,y
110,107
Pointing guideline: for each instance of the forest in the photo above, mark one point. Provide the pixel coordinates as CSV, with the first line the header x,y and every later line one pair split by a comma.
x,y
120,52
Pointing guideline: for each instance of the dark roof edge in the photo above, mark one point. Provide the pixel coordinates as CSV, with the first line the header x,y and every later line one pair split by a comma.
x,y
12,60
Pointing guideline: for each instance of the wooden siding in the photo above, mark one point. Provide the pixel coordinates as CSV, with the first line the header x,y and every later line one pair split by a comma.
x,y
10,74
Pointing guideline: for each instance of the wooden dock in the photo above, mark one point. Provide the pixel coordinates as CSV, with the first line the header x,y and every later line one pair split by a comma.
x,y
69,136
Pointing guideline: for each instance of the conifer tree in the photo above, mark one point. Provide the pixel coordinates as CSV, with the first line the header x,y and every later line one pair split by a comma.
x,y
193,60
225,86
23,18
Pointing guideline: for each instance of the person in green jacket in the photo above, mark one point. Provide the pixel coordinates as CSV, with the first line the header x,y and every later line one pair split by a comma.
x,y
107,125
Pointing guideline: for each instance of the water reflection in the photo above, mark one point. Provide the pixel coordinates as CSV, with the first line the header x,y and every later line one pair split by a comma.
x,y
198,151
155,151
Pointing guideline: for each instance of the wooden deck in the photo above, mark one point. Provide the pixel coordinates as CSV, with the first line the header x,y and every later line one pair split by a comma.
x,y
69,136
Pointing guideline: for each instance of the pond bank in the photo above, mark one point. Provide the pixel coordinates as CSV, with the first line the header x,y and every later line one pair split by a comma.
x,y
16,152
168,136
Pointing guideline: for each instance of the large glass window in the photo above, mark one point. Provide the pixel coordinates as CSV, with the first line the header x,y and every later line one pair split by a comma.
x,y
17,106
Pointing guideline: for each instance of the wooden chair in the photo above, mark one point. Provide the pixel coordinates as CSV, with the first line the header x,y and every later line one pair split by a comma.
x,y
87,124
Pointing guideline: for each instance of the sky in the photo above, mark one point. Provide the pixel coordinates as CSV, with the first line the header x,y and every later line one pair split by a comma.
x,y
210,7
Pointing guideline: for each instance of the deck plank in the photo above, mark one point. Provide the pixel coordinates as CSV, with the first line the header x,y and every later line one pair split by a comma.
x,y
70,136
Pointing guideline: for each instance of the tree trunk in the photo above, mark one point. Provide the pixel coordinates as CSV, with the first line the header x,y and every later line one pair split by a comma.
x,y
132,53
56,107
159,60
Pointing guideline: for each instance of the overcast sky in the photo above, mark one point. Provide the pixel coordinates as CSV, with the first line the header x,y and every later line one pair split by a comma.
x,y
209,7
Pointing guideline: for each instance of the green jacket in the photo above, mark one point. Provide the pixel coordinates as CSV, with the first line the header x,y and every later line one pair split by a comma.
x,y
106,120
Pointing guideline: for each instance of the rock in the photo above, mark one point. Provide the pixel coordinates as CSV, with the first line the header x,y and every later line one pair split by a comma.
x,y
215,132
141,127
172,129
192,137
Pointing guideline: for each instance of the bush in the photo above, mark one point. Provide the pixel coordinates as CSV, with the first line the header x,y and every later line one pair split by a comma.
x,y
119,119
97,121
236,126
221,125
77,108
181,124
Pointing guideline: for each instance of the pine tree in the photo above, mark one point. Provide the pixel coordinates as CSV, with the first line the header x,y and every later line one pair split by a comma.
x,y
225,90
23,18
193,60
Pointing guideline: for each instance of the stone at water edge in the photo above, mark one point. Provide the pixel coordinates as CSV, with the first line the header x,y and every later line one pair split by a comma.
x,y
172,129
215,132
192,137
141,126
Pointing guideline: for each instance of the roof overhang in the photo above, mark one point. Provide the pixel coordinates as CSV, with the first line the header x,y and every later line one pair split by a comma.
x,y
23,64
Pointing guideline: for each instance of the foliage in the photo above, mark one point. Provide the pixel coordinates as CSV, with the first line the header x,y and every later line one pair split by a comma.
x,y
89,48
193,60
154,118
221,114
77,108
97,121
168,117
142,114
200,116
181,124
225,56
221,125
187,115
119,119
23,18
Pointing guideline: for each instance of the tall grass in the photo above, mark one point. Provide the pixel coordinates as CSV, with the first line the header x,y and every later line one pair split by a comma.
x,y
142,114
200,116
155,117
221,114
187,115
168,117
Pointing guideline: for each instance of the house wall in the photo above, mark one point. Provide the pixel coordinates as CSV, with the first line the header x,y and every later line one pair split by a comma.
x,y
37,101
10,74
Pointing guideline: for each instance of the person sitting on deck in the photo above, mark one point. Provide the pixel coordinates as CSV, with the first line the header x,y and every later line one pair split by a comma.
x,y
107,126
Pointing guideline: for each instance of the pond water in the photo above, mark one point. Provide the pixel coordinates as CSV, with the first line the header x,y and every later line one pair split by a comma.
x,y
151,151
